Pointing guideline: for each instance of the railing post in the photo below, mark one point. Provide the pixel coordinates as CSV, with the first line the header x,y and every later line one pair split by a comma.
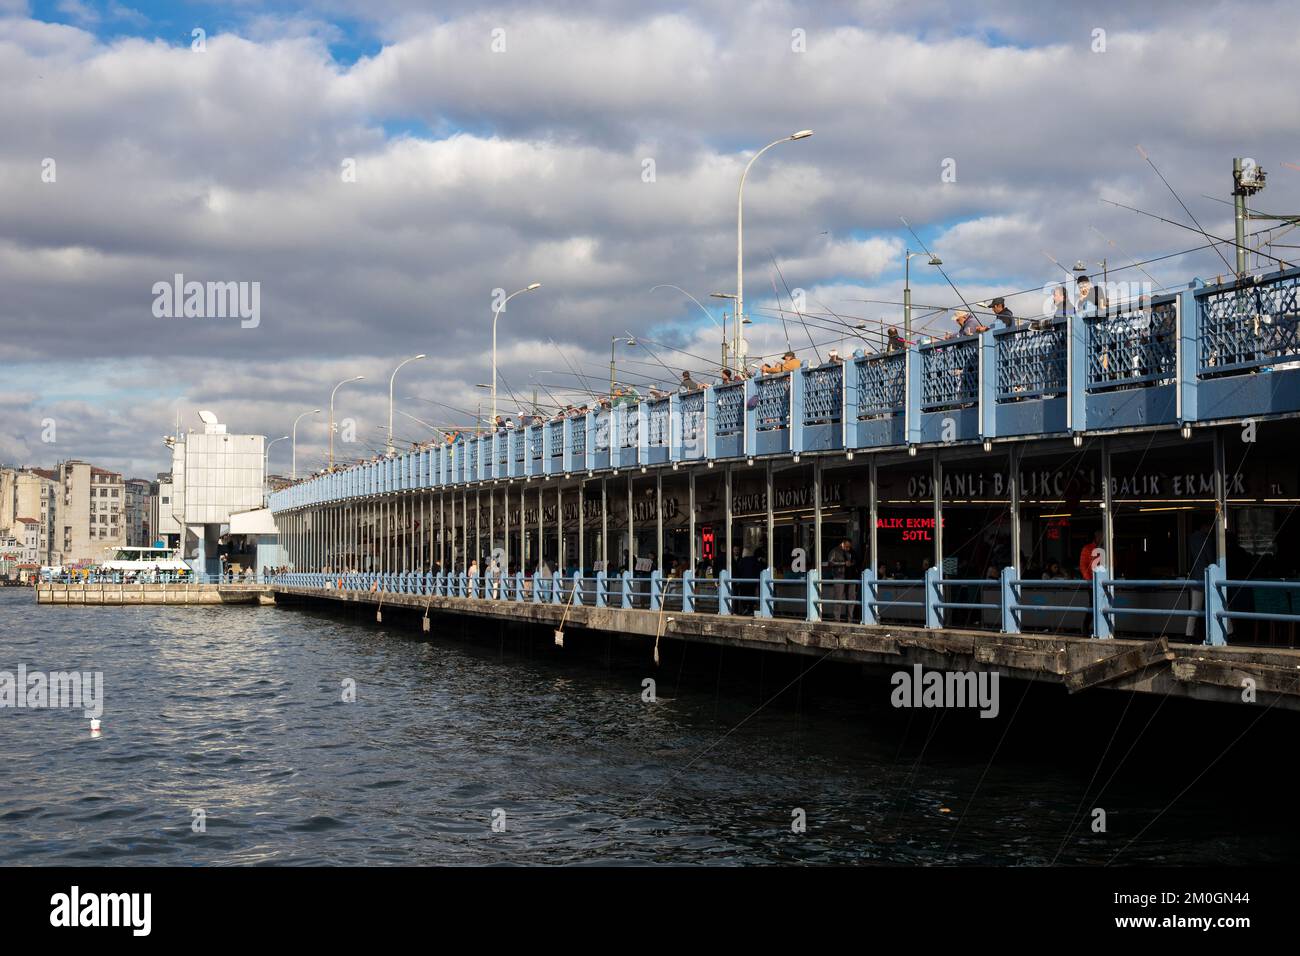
x,y
933,586
796,410
749,417
557,586
1188,356
912,367
656,588
710,424
988,384
812,595
464,584
567,437
1216,627
589,445
1100,604
537,588
867,592
616,413
626,587
602,587
675,427
1076,373
765,602
724,591
577,586
642,431
850,403
519,586
688,591
1007,582
547,451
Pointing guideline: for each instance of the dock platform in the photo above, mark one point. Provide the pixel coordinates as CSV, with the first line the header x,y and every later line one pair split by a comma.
x,y
111,593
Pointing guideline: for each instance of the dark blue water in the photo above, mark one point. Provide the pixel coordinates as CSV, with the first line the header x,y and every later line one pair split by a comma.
x,y
238,712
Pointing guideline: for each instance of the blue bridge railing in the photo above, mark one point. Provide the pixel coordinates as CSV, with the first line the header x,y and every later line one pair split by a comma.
x,y
1195,610
1170,360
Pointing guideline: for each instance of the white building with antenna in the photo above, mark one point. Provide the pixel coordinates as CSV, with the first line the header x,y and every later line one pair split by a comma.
x,y
214,475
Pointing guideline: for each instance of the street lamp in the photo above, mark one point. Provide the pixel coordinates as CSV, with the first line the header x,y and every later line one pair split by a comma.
x,y
734,355
356,378
908,256
266,461
391,378
496,314
740,232
314,411
614,340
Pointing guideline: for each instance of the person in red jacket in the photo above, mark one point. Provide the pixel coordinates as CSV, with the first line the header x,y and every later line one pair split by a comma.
x,y
1089,555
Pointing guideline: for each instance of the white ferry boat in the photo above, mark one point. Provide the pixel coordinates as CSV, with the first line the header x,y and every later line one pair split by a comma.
x,y
146,563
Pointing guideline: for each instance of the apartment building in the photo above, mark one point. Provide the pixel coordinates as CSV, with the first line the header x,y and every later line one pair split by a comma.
x,y
92,512
30,493
139,528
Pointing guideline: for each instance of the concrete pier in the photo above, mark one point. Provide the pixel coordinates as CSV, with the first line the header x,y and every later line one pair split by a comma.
x,y
105,593
1249,676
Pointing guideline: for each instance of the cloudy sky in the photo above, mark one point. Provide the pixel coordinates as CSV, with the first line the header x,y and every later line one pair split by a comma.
x,y
380,168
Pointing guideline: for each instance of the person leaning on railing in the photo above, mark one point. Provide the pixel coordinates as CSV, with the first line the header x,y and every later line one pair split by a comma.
x,y
788,363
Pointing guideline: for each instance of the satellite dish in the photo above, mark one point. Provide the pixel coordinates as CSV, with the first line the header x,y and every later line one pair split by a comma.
x,y
208,418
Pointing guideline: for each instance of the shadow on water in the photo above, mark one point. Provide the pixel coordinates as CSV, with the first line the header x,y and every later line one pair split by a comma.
x,y
737,757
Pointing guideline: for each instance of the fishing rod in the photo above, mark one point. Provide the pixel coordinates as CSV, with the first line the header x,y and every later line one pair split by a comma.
x,y
940,268
651,353
1116,247
1215,240
798,314
1143,153
571,366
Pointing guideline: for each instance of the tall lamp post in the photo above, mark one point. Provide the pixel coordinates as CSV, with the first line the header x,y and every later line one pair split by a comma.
x,y
266,463
614,340
391,379
735,354
740,233
315,411
496,314
334,392
908,256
